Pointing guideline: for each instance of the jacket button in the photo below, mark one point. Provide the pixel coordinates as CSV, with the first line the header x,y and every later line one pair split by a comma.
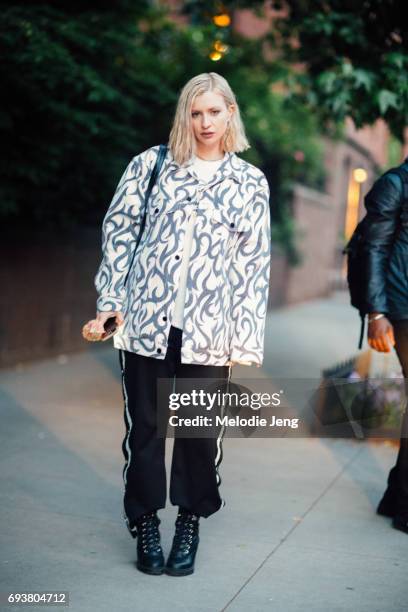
x,y
232,224
164,318
188,198
177,256
156,210
159,350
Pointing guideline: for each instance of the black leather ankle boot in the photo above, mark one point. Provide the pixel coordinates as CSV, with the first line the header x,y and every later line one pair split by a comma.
x,y
185,543
150,559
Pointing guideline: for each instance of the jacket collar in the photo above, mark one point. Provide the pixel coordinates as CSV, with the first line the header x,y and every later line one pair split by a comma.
x,y
231,167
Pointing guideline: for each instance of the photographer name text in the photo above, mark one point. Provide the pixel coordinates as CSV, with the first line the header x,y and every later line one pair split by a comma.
x,y
237,421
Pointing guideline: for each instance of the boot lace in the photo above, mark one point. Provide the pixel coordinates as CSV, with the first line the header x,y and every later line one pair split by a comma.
x,y
186,528
148,532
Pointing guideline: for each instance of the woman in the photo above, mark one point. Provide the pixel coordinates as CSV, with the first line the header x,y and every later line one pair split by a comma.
x,y
194,303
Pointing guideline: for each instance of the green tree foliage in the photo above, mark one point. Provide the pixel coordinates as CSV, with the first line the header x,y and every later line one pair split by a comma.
x,y
353,56
356,58
79,88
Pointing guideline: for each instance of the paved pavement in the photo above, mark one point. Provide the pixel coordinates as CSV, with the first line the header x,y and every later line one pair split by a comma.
x,y
298,531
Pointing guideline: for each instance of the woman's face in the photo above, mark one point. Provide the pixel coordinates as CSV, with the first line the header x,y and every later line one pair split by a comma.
x,y
209,116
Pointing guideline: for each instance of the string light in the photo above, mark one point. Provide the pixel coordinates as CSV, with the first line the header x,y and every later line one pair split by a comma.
x,y
215,56
360,175
222,20
220,46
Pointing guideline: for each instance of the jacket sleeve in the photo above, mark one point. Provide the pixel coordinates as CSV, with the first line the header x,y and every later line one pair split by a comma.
x,y
249,280
120,229
383,203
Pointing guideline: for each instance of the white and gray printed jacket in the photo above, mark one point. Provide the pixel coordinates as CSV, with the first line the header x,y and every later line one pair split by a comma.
x,y
228,278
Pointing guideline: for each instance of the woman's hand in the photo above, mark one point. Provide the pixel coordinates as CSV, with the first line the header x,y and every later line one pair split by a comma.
x,y
94,330
380,335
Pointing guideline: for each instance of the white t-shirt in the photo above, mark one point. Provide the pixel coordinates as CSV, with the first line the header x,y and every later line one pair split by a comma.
x,y
205,170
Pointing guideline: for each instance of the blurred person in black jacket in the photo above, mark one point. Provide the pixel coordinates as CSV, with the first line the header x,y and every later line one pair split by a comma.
x,y
386,234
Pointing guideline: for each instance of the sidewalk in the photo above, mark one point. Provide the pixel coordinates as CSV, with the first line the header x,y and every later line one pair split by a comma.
x,y
298,532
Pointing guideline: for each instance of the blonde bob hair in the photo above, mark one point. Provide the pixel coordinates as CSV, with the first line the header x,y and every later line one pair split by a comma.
x,y
182,142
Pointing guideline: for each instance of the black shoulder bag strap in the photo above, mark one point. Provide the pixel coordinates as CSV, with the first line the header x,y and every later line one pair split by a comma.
x,y
153,177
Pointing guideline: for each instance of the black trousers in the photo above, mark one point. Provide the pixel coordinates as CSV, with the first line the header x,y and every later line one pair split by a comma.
x,y
194,480
398,476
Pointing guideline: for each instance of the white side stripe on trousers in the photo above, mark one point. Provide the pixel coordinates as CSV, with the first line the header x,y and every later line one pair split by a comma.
x,y
219,455
128,428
